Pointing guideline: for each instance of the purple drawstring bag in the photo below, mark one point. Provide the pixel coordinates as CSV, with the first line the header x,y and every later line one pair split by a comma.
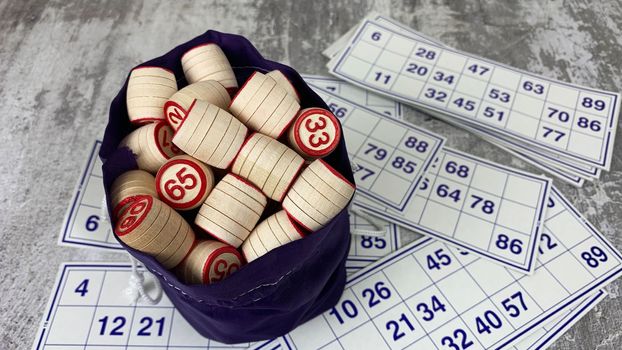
x,y
277,292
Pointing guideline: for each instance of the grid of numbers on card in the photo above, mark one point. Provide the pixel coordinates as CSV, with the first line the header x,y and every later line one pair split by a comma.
x,y
391,155
83,224
90,311
495,211
354,93
432,296
566,119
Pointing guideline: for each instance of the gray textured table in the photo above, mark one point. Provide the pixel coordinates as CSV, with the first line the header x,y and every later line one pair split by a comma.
x,y
61,64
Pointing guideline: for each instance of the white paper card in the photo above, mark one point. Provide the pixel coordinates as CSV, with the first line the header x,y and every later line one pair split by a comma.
x,y
391,155
568,120
83,225
483,207
428,295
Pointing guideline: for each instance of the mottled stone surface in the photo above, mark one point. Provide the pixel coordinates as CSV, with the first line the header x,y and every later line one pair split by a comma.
x,y
62,62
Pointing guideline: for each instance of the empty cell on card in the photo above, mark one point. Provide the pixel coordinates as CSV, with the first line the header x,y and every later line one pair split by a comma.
x,y
462,290
505,78
516,216
81,288
415,209
182,333
586,145
528,105
439,218
595,257
521,124
451,61
94,192
70,325
366,51
365,336
488,179
389,132
354,139
471,87
570,271
96,170
354,68
567,229
407,87
391,188
390,61
362,121
314,335
400,45
473,231
563,95
544,288
491,277
524,190
407,277
510,244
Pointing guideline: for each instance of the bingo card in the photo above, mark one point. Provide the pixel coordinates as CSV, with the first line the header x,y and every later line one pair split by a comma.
x,y
571,121
83,225
489,209
428,295
563,169
392,155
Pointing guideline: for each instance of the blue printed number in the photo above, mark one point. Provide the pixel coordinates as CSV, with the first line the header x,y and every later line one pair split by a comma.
x,y
468,105
596,104
425,53
339,112
383,78
487,206
487,321
92,223
546,243
515,246
586,123
491,112
435,94
478,69
515,304
116,325
401,163
368,242
365,172
347,307
395,327
429,311
419,146
454,168
377,152
459,340
441,76
416,69
594,257
82,288
437,260
530,86
562,116
554,134
377,294
375,36
147,322
497,94
444,191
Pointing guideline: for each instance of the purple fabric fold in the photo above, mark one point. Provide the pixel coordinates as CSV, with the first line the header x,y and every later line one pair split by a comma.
x,y
283,289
